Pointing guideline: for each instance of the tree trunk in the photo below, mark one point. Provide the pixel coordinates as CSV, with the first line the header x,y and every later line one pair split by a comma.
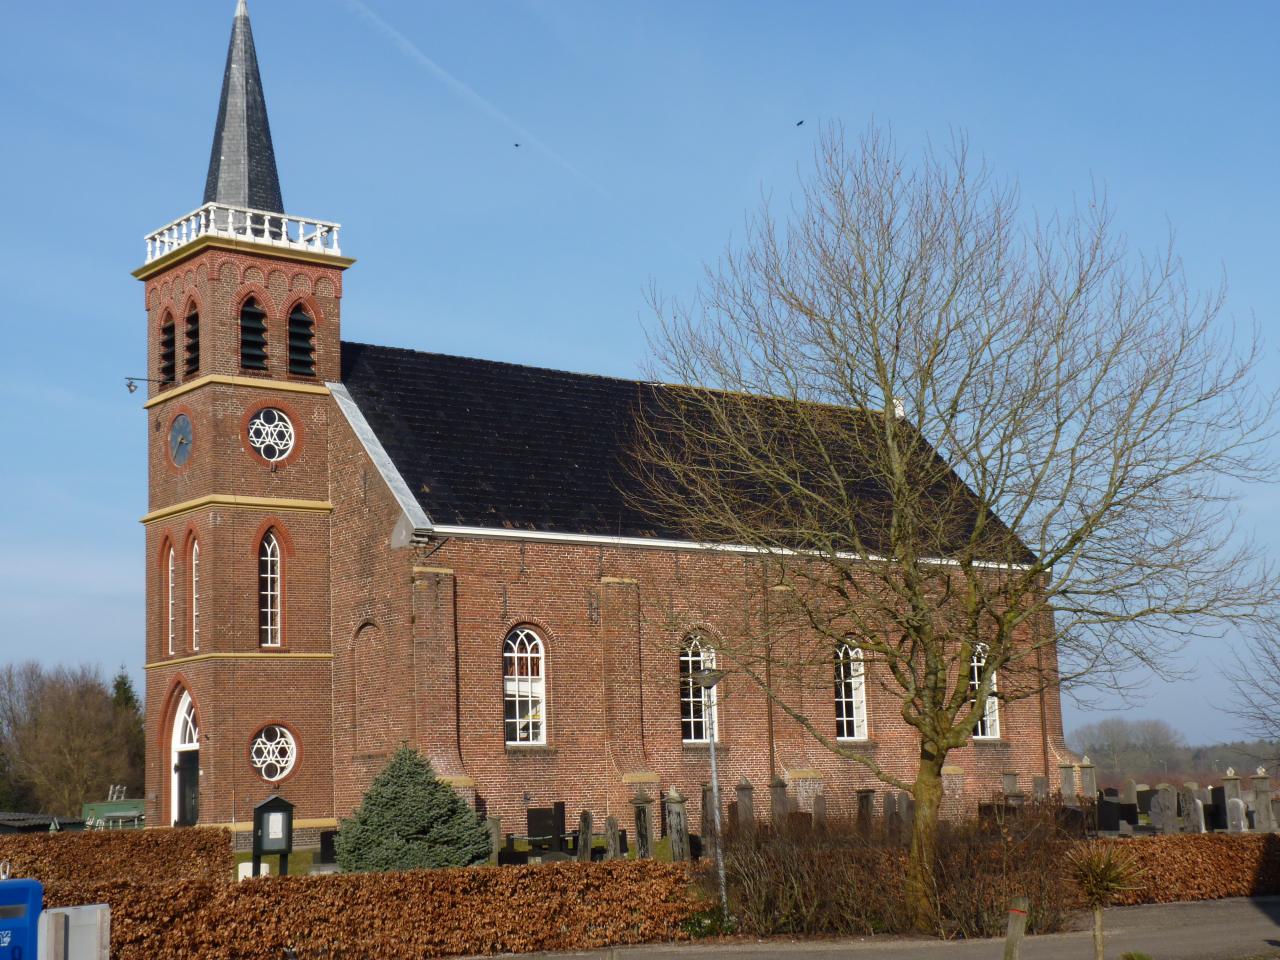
x,y
1097,933
928,799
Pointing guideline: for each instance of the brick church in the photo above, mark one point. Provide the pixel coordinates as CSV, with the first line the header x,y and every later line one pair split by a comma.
x,y
350,547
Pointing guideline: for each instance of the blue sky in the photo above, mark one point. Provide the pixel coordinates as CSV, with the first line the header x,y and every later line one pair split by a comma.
x,y
647,131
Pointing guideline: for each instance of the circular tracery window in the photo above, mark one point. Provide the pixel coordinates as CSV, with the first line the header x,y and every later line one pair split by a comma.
x,y
271,434
273,753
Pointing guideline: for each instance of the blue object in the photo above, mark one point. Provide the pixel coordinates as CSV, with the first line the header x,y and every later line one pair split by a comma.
x,y
20,904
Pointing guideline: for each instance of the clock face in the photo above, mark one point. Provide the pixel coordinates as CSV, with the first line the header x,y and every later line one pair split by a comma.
x,y
271,434
180,437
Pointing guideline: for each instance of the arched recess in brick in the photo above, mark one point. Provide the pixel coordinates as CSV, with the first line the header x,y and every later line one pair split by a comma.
x,y
372,693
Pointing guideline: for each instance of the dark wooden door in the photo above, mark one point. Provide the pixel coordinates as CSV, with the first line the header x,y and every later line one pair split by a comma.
x,y
188,788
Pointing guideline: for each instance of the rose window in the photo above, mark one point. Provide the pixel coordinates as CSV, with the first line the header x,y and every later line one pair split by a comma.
x,y
271,434
273,753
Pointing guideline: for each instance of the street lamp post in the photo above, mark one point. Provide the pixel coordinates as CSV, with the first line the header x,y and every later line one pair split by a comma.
x,y
707,678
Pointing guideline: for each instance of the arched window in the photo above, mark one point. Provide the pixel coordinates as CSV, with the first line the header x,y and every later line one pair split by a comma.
x,y
524,687
988,725
253,336
171,622
195,595
191,351
851,693
697,703
168,350
269,581
302,351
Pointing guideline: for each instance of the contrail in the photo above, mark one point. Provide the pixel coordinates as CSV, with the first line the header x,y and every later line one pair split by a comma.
x,y
414,52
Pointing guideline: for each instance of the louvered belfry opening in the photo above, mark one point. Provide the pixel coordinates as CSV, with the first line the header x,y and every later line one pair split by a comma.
x,y
253,336
302,349
168,351
191,359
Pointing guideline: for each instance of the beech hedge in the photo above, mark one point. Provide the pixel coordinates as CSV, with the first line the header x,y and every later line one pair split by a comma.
x,y
172,897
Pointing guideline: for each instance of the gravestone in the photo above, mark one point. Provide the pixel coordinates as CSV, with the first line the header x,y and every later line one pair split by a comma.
x,y
1144,798
1009,783
906,816
1109,816
642,806
494,826
1235,816
706,825
1129,792
1067,782
1164,809
1126,828
1196,816
1215,812
584,837
778,801
540,827
1040,787
819,811
612,841
560,842
1088,779
746,821
1186,806
866,809
1262,817
677,825
1111,793
1128,813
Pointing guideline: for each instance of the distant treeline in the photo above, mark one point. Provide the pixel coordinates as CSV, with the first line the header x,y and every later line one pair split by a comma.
x,y
1152,751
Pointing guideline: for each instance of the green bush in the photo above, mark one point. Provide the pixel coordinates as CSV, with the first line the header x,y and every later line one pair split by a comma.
x,y
410,820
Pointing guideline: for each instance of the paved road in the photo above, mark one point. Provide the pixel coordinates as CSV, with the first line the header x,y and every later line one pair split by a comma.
x,y
1212,930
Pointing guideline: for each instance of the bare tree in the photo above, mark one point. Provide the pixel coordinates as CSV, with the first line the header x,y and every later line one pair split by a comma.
x,y
991,452
63,737
1254,673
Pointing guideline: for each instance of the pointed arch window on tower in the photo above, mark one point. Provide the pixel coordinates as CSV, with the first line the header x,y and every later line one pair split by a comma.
x,y
524,687
253,336
195,595
168,350
169,602
269,581
191,349
302,350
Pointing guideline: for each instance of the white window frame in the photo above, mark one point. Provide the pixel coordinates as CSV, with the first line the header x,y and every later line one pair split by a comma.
x,y
524,688
270,584
987,726
195,594
698,704
185,736
170,589
850,692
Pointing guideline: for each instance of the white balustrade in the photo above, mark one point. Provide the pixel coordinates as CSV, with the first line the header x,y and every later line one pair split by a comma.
x,y
241,223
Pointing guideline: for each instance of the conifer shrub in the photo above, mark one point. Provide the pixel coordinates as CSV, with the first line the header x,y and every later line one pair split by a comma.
x,y
410,820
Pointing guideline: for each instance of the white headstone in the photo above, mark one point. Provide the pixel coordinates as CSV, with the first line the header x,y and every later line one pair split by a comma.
x,y
1195,818
1236,822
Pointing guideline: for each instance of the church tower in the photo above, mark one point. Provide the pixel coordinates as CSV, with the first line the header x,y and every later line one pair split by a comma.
x,y
243,318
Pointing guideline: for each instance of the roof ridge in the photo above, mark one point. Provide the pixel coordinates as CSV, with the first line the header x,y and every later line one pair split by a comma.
x,y
506,363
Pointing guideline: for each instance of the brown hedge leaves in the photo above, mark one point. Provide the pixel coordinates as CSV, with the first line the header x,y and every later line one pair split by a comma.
x,y
109,855
179,902
172,897
1205,866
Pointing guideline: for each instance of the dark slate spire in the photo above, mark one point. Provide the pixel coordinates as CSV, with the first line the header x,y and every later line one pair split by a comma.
x,y
242,166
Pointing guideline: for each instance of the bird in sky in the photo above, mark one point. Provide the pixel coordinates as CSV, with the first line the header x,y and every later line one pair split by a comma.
x,y
517,144
799,123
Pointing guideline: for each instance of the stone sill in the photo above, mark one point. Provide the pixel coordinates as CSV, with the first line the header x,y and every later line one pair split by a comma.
x,y
529,750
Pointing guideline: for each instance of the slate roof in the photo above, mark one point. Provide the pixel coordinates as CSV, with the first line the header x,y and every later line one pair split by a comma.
x,y
481,443
242,163
488,444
